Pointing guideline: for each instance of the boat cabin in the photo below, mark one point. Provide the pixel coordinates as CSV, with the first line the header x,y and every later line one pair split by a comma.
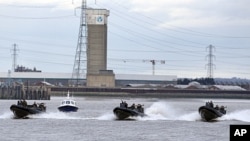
x,y
68,102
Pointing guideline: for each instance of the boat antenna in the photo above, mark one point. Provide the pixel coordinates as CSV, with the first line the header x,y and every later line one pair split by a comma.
x,y
68,94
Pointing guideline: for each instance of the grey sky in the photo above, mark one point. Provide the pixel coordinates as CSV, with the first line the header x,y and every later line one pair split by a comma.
x,y
177,32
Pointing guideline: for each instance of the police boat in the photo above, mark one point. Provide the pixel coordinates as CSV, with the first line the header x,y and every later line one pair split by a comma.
x,y
22,109
68,105
210,113
124,112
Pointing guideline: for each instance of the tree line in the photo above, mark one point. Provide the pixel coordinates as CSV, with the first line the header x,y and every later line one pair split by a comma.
x,y
202,81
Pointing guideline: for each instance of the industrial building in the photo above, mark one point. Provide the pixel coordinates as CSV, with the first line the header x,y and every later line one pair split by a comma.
x,y
62,79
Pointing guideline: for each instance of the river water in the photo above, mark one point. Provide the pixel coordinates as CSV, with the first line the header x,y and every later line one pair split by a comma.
x,y
167,120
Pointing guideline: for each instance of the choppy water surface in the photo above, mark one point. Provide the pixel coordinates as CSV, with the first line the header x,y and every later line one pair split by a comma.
x,y
168,119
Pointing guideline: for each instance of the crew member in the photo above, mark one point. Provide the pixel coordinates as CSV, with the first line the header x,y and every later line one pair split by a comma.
x,y
133,106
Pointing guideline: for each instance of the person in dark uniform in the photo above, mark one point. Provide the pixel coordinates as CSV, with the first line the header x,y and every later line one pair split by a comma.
x,y
212,104
133,106
19,102
24,102
126,104
35,105
216,107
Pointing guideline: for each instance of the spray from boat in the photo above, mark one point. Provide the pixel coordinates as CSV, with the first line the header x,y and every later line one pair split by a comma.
x,y
156,111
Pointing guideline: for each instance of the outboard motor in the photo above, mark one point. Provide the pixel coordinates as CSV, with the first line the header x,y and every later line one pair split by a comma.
x,y
222,110
140,108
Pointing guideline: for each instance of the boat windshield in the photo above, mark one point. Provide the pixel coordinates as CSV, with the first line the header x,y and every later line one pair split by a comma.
x,y
68,102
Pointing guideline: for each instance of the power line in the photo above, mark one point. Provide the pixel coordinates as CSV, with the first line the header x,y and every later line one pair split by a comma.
x,y
151,38
37,18
185,30
149,46
35,42
133,20
28,6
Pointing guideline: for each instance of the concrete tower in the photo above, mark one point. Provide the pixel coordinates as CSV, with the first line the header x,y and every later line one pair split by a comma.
x,y
97,73
97,40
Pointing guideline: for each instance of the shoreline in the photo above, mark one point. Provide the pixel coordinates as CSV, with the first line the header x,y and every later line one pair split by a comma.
x,y
156,93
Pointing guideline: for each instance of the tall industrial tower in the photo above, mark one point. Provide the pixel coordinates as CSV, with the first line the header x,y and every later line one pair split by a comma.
x,y
80,56
97,40
210,64
14,57
91,50
97,73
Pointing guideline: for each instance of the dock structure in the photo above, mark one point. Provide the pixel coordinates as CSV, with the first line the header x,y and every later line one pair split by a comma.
x,y
27,93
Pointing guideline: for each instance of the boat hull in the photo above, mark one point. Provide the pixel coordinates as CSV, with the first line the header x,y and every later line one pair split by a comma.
x,y
21,111
68,108
209,113
124,113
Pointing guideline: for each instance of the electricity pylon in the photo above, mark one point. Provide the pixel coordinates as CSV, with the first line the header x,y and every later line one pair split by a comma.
x,y
210,64
80,56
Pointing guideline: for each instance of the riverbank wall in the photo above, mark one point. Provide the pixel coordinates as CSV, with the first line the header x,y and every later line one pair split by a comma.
x,y
28,93
151,93
44,93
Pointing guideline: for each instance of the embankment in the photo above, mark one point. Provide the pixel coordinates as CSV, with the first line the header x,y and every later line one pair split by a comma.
x,y
151,92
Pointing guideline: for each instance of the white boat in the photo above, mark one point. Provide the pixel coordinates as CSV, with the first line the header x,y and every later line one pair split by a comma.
x,y
68,105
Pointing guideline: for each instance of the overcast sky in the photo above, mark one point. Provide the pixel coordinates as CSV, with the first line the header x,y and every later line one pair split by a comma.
x,y
176,32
